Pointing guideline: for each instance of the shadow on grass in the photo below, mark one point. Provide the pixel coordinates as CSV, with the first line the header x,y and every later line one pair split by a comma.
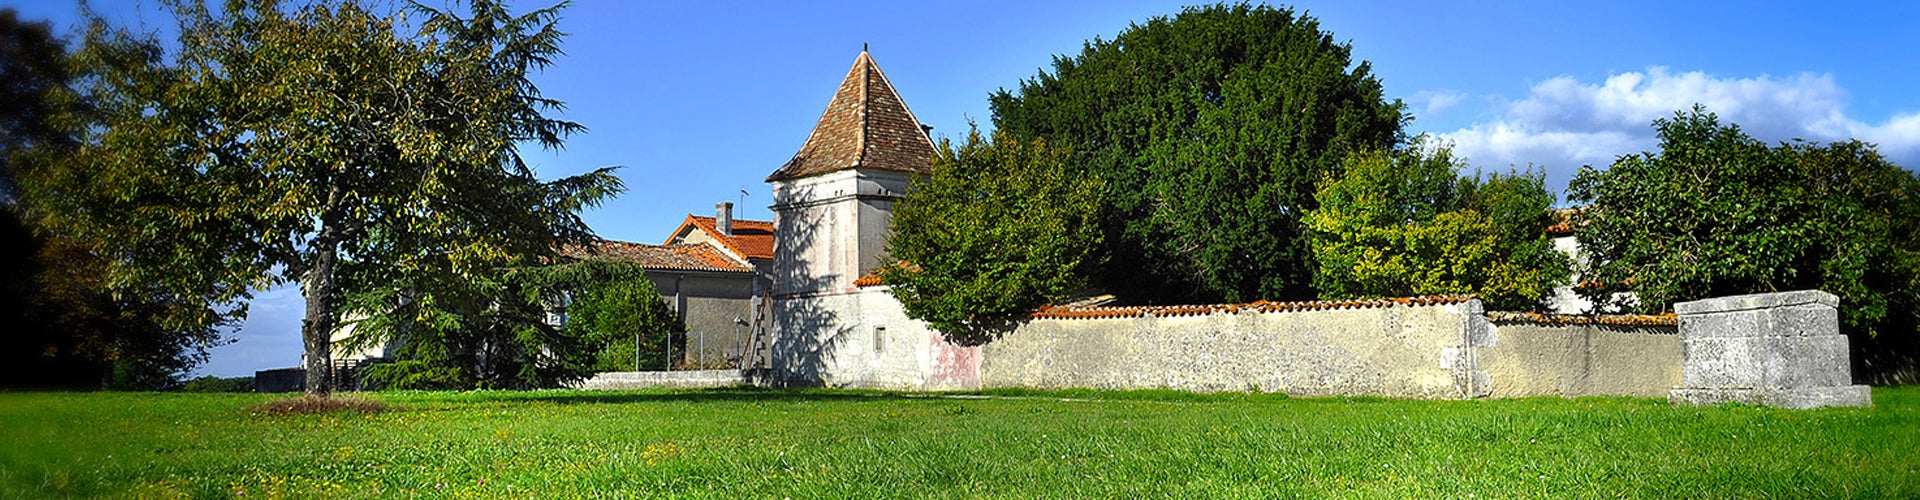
x,y
735,394
1902,397
755,394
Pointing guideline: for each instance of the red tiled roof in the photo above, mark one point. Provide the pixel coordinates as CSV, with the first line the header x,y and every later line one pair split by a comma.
x,y
872,278
1262,306
751,239
695,257
1563,222
1578,319
865,125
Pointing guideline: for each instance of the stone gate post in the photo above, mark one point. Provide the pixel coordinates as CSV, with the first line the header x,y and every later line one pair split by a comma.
x,y
1776,349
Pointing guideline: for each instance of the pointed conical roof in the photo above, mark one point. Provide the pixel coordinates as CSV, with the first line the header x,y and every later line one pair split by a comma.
x,y
866,125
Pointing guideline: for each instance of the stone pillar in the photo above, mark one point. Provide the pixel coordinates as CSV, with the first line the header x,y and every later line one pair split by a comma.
x,y
1776,349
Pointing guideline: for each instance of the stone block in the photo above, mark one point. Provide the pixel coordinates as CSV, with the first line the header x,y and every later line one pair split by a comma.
x,y
1796,398
1805,320
1777,349
1810,320
1735,324
1773,362
1756,301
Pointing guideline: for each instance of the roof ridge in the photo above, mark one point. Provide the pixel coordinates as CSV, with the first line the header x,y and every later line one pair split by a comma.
x,y
685,256
865,125
1262,306
865,61
740,247
736,222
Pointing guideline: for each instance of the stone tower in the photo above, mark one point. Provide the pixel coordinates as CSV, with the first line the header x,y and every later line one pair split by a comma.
x,y
833,202
832,210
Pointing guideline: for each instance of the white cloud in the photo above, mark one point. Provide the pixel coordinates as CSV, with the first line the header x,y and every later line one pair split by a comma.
x,y
1437,101
1898,138
1564,123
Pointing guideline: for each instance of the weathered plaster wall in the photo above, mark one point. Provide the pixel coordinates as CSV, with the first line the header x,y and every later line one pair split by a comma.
x,y
833,228
1396,351
1572,360
707,304
864,339
1447,350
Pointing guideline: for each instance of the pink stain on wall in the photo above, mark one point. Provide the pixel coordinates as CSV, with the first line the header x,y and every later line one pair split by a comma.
x,y
953,366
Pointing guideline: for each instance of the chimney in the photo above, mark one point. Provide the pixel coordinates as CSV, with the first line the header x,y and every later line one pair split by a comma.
x,y
723,217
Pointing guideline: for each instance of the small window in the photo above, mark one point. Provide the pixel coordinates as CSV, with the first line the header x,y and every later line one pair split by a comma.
x,y
879,339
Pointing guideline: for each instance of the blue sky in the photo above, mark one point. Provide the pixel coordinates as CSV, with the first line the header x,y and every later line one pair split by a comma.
x,y
699,100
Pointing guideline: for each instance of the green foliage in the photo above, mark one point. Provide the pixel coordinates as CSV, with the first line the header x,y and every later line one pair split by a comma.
x,y
1403,223
625,316
1715,212
833,444
35,84
320,144
209,383
1211,128
1001,228
500,329
67,325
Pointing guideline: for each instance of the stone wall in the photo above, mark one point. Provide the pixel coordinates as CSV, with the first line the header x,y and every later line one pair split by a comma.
x,y
1412,348
1391,350
708,303
1575,356
680,379
1426,348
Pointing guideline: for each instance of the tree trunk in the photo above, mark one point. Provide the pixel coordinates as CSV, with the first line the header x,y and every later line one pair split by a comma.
x,y
317,329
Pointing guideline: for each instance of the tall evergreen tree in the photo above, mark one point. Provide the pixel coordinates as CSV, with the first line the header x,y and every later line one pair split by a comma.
x,y
1211,128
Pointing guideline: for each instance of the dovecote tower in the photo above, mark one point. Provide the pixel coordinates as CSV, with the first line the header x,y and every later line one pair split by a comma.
x,y
833,201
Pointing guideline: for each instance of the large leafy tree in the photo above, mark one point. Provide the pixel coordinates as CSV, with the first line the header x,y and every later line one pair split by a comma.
x,y
518,327
1400,223
66,324
1212,128
1715,212
1000,228
306,144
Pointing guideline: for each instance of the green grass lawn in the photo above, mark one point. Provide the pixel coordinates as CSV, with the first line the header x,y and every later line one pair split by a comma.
x,y
754,443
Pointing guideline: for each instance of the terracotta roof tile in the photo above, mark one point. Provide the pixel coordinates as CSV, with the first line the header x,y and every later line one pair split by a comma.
x,y
865,125
1579,319
694,257
1262,306
1563,223
872,278
751,239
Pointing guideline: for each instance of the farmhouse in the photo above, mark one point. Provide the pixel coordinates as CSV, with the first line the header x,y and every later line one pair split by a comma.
x,y
713,272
